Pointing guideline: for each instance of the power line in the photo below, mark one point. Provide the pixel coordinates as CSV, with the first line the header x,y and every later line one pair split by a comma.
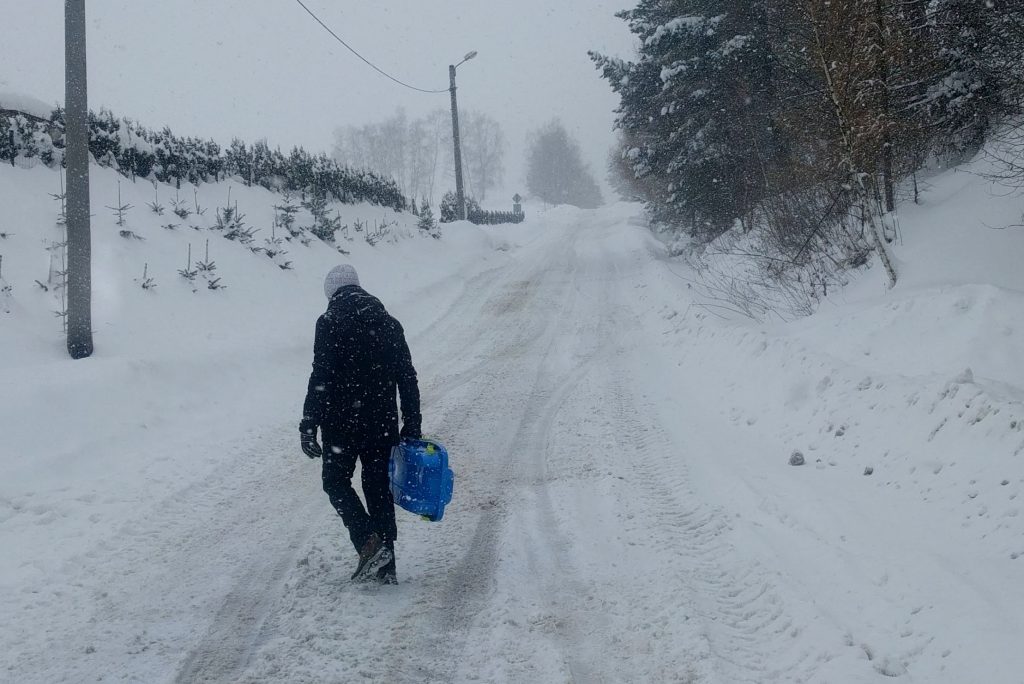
x,y
368,62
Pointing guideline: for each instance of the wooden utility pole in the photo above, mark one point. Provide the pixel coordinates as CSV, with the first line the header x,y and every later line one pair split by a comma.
x,y
76,156
460,195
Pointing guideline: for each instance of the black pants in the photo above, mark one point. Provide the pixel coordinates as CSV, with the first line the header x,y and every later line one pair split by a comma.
x,y
339,463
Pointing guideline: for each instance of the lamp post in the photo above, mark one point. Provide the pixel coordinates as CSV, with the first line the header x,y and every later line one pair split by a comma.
x,y
79,275
460,195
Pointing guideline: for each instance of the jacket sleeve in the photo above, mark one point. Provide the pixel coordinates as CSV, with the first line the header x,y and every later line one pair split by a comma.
x,y
408,385
315,407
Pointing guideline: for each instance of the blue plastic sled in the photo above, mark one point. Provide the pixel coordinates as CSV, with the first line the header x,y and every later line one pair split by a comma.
x,y
421,481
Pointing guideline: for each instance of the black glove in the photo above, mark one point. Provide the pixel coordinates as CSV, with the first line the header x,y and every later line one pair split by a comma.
x,y
411,431
307,433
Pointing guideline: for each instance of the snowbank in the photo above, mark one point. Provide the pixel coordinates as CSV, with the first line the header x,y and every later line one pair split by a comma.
x,y
908,406
26,103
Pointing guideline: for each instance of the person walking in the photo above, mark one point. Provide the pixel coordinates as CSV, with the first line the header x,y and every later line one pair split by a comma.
x,y
360,358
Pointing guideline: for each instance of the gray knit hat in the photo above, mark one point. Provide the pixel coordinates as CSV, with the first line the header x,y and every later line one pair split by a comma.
x,y
339,277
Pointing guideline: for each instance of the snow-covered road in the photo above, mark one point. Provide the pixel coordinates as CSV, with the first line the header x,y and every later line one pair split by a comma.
x,y
575,550
619,516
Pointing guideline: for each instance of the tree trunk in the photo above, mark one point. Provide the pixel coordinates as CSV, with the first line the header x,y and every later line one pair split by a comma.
x,y
876,237
846,134
882,79
887,177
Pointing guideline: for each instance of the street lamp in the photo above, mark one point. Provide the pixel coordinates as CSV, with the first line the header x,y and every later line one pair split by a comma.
x,y
460,195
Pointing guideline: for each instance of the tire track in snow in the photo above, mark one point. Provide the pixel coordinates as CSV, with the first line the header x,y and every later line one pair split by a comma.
x,y
159,612
272,545
611,623
236,632
572,611
466,591
745,622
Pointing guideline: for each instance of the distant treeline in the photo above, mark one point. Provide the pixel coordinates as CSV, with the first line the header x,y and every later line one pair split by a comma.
x,y
138,152
494,218
475,213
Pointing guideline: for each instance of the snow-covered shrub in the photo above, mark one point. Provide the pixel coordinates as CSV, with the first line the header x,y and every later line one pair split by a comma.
x,y
138,152
324,226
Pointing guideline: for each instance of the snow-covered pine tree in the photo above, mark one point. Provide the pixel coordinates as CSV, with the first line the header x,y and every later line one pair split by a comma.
x,y
696,108
981,93
555,170
285,215
971,45
262,164
620,174
104,137
300,170
238,161
25,138
324,226
8,150
427,223
449,207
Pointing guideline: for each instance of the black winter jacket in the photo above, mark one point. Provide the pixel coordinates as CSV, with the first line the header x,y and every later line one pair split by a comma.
x,y
360,356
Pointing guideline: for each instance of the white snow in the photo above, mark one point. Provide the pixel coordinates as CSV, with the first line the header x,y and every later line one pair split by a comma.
x,y
679,24
27,104
624,508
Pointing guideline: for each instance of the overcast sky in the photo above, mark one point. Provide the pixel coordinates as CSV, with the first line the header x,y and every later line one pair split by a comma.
x,y
263,68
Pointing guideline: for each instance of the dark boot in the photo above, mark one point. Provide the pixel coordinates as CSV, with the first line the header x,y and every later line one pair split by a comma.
x,y
388,574
374,555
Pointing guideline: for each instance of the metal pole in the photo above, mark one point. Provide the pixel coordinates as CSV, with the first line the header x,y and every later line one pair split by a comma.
x,y
79,275
460,196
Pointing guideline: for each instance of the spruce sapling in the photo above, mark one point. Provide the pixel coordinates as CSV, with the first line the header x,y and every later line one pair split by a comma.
x,y
207,268
147,283
324,226
274,249
286,216
427,223
195,197
155,205
5,289
61,197
57,276
121,210
179,208
232,224
188,273
379,232
273,243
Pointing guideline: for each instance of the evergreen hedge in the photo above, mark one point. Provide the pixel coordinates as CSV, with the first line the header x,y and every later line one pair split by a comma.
x,y
138,152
